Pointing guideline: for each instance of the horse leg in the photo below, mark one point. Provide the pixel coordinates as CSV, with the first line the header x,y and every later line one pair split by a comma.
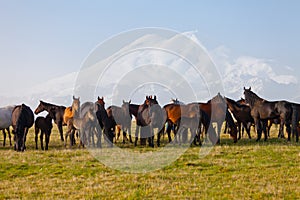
x,y
258,129
41,139
36,137
4,135
60,129
225,130
9,136
136,135
240,132
219,125
264,128
47,137
248,129
281,134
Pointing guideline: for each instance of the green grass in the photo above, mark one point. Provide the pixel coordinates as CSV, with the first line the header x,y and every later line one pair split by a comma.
x,y
246,170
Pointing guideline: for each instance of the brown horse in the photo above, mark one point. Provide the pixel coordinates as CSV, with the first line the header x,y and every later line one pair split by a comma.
x,y
56,112
188,116
216,111
242,114
123,118
263,110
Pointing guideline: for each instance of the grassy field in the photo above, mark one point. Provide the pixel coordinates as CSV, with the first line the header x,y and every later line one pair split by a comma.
x,y
246,170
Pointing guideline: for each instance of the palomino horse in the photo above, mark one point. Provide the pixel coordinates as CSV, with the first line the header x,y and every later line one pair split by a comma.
x,y
22,120
263,110
56,112
107,123
5,121
43,124
242,114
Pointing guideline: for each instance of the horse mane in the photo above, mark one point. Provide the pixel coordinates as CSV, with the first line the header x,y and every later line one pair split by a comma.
x,y
252,97
20,125
51,105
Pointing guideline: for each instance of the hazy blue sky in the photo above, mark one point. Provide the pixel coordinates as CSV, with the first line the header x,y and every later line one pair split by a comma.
x,y
41,40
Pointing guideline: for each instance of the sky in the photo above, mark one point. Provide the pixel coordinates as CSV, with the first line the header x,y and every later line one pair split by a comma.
x,y
43,40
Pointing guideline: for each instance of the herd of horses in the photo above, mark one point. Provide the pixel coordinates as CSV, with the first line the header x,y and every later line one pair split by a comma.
x,y
96,126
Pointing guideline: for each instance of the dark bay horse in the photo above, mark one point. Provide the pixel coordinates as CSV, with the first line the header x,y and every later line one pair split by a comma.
x,y
107,123
242,114
22,120
122,118
263,110
43,125
56,112
149,116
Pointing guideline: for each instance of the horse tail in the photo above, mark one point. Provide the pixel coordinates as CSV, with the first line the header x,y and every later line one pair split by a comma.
x,y
295,121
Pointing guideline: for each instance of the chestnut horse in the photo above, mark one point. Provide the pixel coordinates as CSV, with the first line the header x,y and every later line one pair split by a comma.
x,y
216,109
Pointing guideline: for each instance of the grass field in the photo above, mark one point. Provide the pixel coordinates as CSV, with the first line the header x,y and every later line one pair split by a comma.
x,y
246,170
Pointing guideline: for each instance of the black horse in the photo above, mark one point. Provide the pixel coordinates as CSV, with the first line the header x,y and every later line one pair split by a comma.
x,y
56,112
263,110
22,120
107,123
43,124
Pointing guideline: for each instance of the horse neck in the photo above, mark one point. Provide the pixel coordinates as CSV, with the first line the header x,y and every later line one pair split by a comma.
x,y
133,109
232,105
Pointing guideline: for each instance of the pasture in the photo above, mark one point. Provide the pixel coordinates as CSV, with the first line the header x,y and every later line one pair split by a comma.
x,y
245,170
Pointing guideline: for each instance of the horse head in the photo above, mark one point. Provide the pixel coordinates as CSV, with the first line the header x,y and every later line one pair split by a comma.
x,y
101,101
40,108
76,104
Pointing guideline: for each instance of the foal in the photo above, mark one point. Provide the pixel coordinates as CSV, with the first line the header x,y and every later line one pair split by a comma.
x,y
45,125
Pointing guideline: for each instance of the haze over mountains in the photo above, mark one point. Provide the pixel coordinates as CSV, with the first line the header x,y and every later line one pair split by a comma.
x,y
235,73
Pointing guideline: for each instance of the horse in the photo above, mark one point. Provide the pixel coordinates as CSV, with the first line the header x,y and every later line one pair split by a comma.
x,y
122,118
5,121
295,121
43,124
92,128
133,110
275,121
56,112
242,114
216,110
107,123
185,117
82,124
22,120
149,116
263,110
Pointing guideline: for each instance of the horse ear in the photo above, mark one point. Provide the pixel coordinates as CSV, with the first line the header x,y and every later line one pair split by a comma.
x,y
102,98
73,97
98,98
250,88
129,101
154,97
123,101
244,88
